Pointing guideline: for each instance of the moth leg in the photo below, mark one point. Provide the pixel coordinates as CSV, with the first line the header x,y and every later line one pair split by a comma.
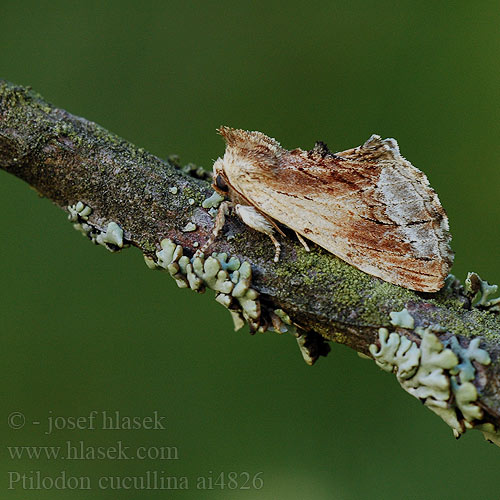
x,y
254,219
303,241
220,220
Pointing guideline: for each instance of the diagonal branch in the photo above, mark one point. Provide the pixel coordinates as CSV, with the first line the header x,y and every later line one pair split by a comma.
x,y
119,195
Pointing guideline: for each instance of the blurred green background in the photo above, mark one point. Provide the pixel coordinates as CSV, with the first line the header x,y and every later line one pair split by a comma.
x,y
85,330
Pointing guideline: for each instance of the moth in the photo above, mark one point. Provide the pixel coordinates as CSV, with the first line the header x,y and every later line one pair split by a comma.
x,y
367,205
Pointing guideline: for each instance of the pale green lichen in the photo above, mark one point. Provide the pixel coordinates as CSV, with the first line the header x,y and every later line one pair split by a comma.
x,y
473,352
167,257
490,433
464,373
246,296
213,201
278,325
195,171
230,279
111,238
438,374
465,399
233,264
85,229
402,319
208,272
430,383
480,291
311,345
450,282
189,227
149,261
396,353
79,211
363,356
238,321
173,189
304,349
283,316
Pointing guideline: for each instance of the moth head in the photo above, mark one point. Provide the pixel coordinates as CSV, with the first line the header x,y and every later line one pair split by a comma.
x,y
220,183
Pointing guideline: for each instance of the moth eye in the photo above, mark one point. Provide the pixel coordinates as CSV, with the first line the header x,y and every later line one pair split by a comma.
x,y
221,183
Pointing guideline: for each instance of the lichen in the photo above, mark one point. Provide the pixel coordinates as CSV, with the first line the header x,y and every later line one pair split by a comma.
x,y
233,264
311,345
189,227
464,373
358,297
17,95
213,201
192,196
283,316
480,291
316,269
430,382
174,161
473,352
439,374
305,351
490,433
78,211
230,279
278,325
149,261
111,238
402,319
196,171
396,353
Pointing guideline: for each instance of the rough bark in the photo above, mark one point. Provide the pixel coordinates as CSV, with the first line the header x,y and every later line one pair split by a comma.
x,y
70,159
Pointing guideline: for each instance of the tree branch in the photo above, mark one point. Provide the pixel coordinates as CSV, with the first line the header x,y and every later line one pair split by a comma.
x,y
70,160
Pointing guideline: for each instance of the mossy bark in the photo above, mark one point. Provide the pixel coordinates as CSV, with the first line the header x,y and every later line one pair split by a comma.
x,y
70,159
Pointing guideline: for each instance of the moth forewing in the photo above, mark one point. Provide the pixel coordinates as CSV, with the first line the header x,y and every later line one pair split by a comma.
x,y
367,205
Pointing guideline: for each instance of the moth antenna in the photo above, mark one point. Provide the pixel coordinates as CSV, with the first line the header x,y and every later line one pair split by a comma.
x,y
220,220
303,241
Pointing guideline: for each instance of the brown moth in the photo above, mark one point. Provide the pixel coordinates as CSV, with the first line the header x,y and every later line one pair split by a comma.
x,y
367,205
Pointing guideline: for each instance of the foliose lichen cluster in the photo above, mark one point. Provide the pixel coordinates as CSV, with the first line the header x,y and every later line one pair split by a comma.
x,y
111,238
440,374
480,292
229,278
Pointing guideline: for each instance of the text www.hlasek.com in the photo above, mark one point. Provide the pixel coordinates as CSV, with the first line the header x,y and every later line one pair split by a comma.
x,y
79,450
